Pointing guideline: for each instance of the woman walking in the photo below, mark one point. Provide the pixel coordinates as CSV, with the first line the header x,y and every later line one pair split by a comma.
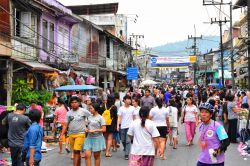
x,y
145,140
190,119
94,142
109,113
59,122
173,122
136,108
159,115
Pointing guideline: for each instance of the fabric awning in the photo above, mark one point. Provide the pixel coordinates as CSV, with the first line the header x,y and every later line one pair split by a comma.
x,y
35,65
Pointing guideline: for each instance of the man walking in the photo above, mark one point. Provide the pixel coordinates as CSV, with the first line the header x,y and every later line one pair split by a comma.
x,y
147,100
18,125
75,122
125,118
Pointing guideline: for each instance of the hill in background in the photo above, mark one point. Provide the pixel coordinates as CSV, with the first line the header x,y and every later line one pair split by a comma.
x,y
180,48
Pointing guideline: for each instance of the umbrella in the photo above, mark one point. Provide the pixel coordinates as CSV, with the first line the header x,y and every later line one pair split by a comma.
x,y
148,82
76,87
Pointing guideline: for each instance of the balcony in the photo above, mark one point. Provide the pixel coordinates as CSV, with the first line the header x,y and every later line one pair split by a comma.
x,y
97,60
24,49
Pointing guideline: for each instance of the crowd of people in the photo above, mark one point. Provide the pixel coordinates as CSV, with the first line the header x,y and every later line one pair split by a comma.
x,y
141,121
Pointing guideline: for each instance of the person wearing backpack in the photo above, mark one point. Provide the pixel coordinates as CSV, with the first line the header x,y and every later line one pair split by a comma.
x,y
109,114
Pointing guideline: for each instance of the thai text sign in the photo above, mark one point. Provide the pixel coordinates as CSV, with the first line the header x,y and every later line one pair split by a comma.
x,y
175,62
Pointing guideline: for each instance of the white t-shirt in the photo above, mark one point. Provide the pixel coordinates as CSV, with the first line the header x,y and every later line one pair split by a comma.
x,y
190,113
126,114
136,112
173,116
142,137
159,116
185,93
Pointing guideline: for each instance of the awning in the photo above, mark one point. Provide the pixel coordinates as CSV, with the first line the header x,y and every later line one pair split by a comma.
x,y
35,65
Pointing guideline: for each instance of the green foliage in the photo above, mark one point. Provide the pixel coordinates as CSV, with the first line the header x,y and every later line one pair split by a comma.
x,y
23,93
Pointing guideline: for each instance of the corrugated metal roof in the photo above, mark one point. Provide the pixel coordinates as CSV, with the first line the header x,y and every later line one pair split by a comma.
x,y
35,65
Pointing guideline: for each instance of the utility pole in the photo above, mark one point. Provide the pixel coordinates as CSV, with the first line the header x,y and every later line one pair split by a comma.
x,y
194,47
215,3
221,46
136,45
248,41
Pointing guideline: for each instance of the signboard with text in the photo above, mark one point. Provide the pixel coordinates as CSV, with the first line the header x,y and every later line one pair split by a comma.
x,y
132,73
173,62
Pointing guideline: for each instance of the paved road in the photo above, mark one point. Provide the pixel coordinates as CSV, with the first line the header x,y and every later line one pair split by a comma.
x,y
183,156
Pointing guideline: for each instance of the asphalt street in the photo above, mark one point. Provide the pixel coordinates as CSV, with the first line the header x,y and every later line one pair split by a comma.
x,y
183,156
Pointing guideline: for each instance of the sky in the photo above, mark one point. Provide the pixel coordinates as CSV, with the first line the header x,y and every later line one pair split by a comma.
x,y
167,21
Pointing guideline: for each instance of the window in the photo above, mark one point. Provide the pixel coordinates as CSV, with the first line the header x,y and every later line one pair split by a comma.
x,y
63,40
33,25
45,34
25,24
60,39
51,36
108,47
66,40
17,23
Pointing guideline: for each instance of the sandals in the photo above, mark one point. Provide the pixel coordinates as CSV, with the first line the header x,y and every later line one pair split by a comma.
x,y
108,155
114,150
162,157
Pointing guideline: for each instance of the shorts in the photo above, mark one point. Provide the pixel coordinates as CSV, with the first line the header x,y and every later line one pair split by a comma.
x,y
94,144
203,164
109,129
174,131
76,141
163,130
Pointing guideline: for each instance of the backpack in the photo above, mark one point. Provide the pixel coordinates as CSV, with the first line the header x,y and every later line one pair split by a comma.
x,y
107,116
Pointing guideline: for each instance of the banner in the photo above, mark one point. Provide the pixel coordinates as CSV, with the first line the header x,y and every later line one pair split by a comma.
x,y
170,62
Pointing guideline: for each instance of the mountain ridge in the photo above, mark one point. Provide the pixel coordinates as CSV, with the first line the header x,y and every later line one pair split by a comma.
x,y
179,48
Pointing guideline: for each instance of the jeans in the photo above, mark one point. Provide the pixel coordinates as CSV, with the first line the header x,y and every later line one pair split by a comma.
x,y
36,163
125,141
16,156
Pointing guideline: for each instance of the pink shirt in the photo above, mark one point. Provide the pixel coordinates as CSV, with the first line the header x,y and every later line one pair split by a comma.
x,y
61,114
40,109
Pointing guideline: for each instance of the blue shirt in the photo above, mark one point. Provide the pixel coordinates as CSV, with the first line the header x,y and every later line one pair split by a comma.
x,y
167,96
33,139
244,100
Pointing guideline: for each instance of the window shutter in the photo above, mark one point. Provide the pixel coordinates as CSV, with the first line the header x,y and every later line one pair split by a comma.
x,y
25,24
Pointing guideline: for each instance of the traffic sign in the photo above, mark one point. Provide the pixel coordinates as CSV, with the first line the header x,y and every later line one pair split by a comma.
x,y
132,73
